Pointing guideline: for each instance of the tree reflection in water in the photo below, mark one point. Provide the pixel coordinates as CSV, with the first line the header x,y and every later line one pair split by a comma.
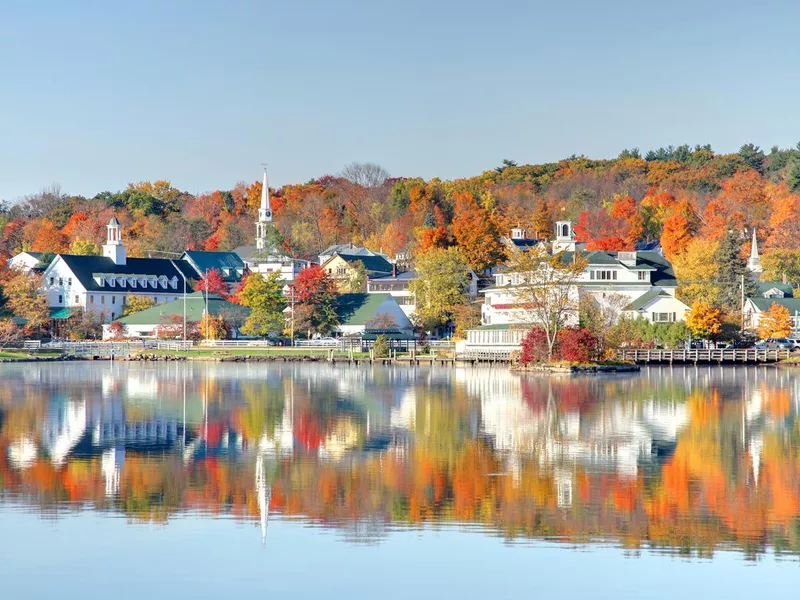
x,y
680,460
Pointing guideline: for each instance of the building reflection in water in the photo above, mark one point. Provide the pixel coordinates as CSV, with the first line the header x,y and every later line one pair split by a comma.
x,y
676,459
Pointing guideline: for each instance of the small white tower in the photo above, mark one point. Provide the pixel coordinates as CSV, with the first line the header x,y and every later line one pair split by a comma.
x,y
114,248
565,237
264,215
754,262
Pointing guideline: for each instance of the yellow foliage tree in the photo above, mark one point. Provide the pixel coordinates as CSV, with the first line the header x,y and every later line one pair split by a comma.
x,y
135,304
83,247
696,270
776,322
704,320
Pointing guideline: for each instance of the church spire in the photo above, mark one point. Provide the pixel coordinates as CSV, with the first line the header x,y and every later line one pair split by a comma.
x,y
754,262
264,215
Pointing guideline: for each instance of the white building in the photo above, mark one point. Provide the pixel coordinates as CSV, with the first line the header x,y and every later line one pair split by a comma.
x,y
25,262
103,283
636,284
265,257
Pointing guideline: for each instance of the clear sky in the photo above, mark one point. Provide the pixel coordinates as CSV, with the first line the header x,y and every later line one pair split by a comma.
x,y
98,94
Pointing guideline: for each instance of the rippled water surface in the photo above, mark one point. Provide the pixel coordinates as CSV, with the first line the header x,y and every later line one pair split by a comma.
x,y
132,481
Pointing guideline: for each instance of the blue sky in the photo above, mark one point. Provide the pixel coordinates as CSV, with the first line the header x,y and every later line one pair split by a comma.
x,y
99,94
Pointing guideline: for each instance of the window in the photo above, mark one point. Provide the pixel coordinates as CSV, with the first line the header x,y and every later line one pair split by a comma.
x,y
69,281
113,299
50,281
60,299
60,281
91,298
643,276
102,299
77,300
663,317
603,275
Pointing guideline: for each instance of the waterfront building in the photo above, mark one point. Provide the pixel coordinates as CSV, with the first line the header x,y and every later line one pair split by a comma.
x,y
343,267
348,249
25,262
103,283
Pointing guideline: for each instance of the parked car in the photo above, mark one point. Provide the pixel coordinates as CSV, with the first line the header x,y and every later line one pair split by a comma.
x,y
775,344
795,344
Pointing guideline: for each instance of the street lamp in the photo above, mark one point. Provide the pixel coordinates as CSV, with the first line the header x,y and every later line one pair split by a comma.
x,y
172,262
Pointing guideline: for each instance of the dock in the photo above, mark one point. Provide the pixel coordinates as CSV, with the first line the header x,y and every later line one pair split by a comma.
x,y
740,356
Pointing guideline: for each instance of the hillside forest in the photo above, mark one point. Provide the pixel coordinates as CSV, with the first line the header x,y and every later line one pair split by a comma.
x,y
699,205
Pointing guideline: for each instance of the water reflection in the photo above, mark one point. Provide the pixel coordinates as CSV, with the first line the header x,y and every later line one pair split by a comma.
x,y
678,460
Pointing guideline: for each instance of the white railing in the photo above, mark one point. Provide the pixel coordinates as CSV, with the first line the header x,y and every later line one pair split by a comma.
x,y
236,343
711,355
170,344
440,344
317,343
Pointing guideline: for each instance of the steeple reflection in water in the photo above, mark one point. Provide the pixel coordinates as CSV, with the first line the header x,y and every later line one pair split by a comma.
x,y
679,460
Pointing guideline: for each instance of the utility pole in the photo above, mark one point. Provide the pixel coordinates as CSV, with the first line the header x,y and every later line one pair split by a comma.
x,y
184,300
292,306
207,315
742,302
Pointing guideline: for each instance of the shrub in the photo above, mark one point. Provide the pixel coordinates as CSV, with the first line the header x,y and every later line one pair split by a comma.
x,y
576,344
534,346
381,347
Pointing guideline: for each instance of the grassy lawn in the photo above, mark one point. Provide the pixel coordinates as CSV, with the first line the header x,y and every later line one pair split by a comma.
x,y
14,354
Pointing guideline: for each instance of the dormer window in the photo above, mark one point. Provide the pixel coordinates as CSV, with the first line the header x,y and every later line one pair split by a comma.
x,y
112,282
163,281
174,282
132,282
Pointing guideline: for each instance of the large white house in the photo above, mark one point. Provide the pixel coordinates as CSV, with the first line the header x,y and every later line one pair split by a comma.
x,y
265,257
103,283
636,284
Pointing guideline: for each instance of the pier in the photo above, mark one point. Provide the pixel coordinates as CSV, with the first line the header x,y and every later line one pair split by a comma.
x,y
748,356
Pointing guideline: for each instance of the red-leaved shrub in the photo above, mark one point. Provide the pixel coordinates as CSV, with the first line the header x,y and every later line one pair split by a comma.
x,y
573,344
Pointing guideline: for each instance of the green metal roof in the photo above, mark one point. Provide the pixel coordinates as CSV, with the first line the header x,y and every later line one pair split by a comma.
x,y
357,309
373,264
195,306
793,304
645,299
61,313
765,286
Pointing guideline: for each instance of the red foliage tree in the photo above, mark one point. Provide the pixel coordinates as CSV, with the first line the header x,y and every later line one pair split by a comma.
x,y
614,230
313,286
534,346
577,344
213,283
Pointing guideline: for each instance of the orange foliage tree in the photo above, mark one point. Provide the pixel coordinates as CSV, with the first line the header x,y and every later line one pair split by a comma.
x,y
477,236
775,322
705,320
679,228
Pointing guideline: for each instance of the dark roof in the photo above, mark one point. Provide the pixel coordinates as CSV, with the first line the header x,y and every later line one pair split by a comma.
x,y
388,277
373,264
652,246
645,299
765,286
793,304
523,244
229,264
85,266
195,307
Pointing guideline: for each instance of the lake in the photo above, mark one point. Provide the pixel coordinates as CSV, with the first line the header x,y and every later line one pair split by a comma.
x,y
132,480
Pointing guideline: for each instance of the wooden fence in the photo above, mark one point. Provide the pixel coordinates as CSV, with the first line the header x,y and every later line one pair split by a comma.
x,y
695,356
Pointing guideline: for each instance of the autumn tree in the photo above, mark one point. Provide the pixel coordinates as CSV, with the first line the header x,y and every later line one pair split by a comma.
x,y
705,320
775,322
696,269
478,239
784,221
356,281
678,229
83,247
440,286
546,291
781,265
9,331
212,283
213,327
264,297
315,296
24,300
135,304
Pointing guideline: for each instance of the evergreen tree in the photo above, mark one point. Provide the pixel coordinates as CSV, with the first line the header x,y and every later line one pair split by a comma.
x,y
753,156
731,269
793,178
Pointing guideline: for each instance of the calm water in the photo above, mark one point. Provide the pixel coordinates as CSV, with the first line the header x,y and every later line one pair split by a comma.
x,y
310,481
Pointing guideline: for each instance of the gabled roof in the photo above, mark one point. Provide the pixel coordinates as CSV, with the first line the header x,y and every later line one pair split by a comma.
x,y
762,304
357,309
646,299
195,307
347,249
766,286
84,267
389,278
229,264
373,264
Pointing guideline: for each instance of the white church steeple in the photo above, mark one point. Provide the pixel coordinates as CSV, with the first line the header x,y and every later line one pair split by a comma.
x,y
264,215
754,262
114,248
